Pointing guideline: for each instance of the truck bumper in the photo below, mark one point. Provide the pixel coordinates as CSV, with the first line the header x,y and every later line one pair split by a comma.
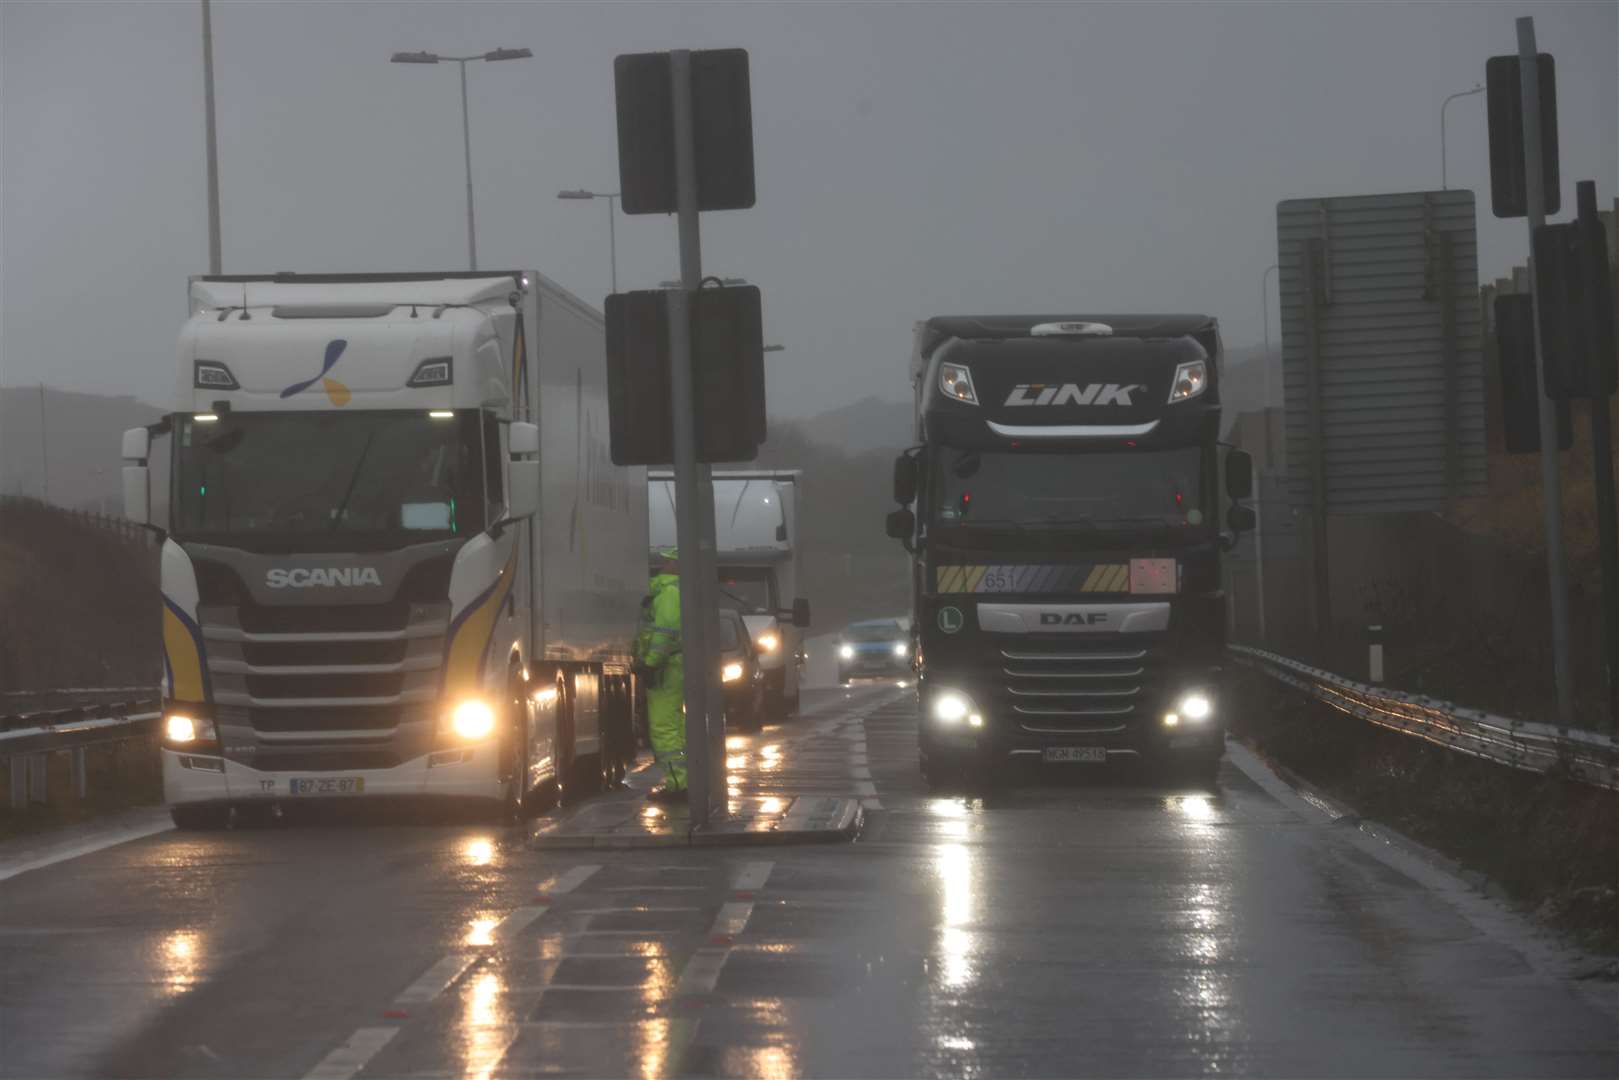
x,y
463,773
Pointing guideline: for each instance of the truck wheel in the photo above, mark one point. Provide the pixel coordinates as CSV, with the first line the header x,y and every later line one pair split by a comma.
x,y
200,817
585,777
514,754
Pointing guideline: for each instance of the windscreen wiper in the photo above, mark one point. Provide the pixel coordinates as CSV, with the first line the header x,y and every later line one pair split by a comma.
x,y
342,507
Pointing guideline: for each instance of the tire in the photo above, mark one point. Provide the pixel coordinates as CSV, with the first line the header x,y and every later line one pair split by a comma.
x,y
585,777
200,817
514,755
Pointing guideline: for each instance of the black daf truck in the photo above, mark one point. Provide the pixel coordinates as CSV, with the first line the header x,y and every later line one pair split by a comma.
x,y
1064,513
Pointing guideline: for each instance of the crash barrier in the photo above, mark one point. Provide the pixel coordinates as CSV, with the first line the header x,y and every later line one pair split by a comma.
x,y
116,524
28,739
1540,748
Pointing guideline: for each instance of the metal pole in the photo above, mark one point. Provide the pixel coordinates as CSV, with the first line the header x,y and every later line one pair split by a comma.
x,y
1550,479
44,456
1313,270
213,147
1602,454
1444,160
612,238
695,569
466,146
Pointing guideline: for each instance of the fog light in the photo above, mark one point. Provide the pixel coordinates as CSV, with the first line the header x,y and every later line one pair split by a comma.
x,y
975,720
950,708
1195,707
768,642
731,672
1171,720
472,719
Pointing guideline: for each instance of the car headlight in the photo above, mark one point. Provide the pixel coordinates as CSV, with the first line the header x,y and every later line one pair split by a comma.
x,y
472,719
901,649
1195,707
731,672
184,729
768,642
846,651
949,707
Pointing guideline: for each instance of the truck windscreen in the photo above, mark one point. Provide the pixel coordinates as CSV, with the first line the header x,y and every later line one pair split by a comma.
x,y
747,589
313,481
1109,489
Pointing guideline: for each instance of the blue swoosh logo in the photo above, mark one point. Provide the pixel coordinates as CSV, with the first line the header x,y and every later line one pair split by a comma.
x,y
334,349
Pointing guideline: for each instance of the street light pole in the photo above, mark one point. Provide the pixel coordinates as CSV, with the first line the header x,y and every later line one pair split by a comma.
x,y
466,123
1264,307
1444,176
612,227
213,147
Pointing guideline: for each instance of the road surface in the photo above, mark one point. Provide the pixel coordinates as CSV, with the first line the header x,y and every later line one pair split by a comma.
x,y
1096,924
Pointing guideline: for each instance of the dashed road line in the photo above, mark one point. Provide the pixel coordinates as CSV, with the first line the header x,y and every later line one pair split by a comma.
x,y
751,876
436,979
353,1055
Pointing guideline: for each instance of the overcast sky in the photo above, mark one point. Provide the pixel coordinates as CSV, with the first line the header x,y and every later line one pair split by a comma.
x,y
913,159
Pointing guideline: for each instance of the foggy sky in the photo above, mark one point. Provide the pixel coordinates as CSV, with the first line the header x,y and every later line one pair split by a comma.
x,y
913,159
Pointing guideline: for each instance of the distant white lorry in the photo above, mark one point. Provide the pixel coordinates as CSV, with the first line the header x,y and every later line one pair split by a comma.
x,y
398,559
756,545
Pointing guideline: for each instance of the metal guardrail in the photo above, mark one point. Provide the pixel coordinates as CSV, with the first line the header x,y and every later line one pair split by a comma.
x,y
29,739
1540,748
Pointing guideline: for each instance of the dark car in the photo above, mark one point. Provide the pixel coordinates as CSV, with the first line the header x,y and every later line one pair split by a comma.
x,y
741,678
874,648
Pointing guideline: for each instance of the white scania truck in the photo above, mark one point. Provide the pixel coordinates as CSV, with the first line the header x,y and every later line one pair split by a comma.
x,y
756,547
397,560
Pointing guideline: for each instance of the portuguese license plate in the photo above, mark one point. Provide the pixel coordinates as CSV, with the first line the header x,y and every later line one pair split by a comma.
x,y
1092,754
327,785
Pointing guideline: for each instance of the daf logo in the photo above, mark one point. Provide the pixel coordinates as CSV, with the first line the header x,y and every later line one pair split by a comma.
x,y
322,577
1072,618
1072,394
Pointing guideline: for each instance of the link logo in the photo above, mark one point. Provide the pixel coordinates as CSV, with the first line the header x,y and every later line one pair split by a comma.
x,y
322,577
1072,394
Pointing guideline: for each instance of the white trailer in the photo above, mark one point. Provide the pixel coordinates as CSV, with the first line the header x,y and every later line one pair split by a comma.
x,y
756,546
398,559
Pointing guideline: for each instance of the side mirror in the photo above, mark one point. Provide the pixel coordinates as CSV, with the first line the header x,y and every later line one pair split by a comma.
x,y
901,525
904,480
137,490
524,497
1240,519
137,445
801,612
524,438
1239,474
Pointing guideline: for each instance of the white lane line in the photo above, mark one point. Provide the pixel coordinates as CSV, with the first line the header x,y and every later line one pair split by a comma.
x,y
871,804
653,888
516,920
353,1055
751,876
860,773
100,842
732,919
702,971
570,880
637,909
436,979
865,788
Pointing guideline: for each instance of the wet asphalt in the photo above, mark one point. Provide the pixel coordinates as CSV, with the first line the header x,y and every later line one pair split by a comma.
x,y
1075,924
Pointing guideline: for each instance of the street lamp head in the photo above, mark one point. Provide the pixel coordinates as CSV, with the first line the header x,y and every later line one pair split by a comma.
x,y
508,54
579,193
415,58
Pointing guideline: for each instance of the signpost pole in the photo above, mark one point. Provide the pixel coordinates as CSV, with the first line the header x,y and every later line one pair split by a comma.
x,y
696,570
1551,481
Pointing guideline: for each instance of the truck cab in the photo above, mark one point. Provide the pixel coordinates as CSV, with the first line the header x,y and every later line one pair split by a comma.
x,y
1063,506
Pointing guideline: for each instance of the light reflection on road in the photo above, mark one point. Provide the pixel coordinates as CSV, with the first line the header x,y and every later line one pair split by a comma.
x,y
180,960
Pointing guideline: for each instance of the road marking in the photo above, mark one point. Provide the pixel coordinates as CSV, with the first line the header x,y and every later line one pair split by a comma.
x,y
860,774
732,919
702,971
751,876
516,920
353,1055
570,880
653,888
436,979
638,909
99,842
865,788
871,804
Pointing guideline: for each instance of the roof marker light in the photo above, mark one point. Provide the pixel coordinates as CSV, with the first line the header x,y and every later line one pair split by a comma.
x,y
441,414
205,418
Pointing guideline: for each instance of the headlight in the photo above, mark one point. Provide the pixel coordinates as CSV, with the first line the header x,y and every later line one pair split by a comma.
x,y
901,649
182,729
768,642
846,651
731,672
956,383
472,719
1195,707
950,707
1190,380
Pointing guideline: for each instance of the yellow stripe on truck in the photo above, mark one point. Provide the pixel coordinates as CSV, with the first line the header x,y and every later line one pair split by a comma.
x,y
463,669
185,662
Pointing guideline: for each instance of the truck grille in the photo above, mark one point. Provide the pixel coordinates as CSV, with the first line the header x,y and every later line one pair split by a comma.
x,y
1069,686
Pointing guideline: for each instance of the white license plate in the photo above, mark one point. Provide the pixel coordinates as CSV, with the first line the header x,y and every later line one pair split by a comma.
x,y
1096,754
327,785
